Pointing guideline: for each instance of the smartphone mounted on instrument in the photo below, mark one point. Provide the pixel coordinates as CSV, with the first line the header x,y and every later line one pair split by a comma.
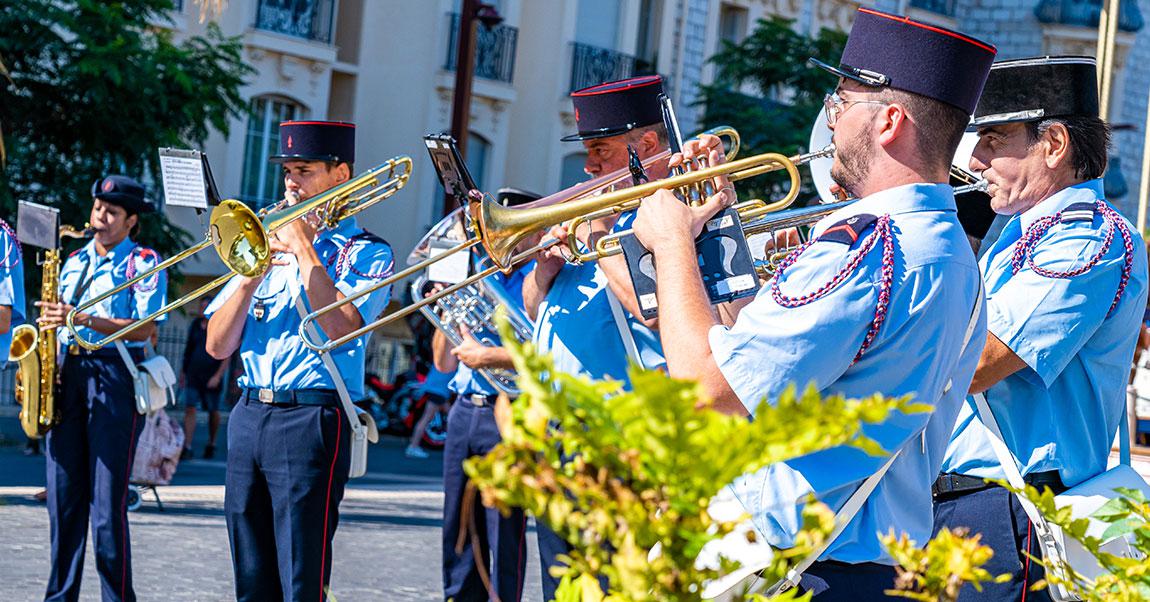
x,y
725,259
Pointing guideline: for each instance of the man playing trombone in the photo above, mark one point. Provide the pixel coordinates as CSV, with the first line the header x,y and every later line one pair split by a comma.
x,y
569,302
90,451
288,437
883,301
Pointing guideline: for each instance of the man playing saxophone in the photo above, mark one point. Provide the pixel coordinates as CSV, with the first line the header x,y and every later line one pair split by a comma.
x,y
288,435
91,449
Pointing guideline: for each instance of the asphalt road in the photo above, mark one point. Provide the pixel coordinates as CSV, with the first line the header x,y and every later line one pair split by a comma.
x,y
387,546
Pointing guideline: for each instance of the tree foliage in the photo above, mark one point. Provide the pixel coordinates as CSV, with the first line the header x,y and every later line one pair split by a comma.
x,y
617,473
765,88
95,87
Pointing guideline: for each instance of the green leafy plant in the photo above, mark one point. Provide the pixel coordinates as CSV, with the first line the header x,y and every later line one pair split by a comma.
x,y
617,472
938,571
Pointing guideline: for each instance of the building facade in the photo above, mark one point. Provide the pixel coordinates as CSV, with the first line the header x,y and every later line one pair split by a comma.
x,y
388,65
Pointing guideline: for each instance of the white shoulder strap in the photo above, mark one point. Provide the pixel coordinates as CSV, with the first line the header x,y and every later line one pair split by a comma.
x,y
128,361
357,427
624,327
853,504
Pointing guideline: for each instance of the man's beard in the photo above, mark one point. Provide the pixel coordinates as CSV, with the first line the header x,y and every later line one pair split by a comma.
x,y
853,165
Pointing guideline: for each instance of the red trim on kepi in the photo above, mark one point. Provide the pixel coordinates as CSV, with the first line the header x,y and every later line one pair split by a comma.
x,y
892,50
617,107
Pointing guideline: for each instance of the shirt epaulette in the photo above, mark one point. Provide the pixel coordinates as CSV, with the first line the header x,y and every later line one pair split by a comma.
x,y
849,230
1078,212
366,236
75,253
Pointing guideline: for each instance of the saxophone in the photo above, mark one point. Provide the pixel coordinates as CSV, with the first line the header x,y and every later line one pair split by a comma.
x,y
35,352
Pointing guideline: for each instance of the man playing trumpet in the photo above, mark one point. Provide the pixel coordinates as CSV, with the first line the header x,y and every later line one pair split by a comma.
x,y
882,301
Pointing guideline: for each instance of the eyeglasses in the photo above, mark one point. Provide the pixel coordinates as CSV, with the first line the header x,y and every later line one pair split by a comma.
x,y
835,106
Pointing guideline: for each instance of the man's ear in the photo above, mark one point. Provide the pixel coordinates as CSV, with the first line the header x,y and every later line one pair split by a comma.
x,y
342,172
1056,145
650,143
891,123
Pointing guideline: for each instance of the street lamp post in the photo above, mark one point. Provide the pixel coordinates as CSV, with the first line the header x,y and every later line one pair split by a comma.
x,y
471,12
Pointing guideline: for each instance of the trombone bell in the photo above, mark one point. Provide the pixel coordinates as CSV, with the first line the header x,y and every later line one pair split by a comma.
x,y
240,239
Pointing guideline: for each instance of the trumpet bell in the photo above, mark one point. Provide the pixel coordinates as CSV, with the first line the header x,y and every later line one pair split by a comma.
x,y
240,239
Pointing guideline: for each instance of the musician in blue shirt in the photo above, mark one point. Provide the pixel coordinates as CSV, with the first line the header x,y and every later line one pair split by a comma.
x,y
11,285
882,301
472,431
288,435
12,299
1065,294
91,450
571,302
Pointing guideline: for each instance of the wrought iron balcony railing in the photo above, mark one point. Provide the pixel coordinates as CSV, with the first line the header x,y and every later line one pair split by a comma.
x,y
942,7
1084,13
494,50
307,19
592,65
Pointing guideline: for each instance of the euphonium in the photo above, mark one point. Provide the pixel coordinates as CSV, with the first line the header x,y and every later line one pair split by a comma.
x,y
474,307
35,352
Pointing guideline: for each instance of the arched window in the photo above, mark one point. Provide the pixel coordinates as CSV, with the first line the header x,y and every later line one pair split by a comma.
x,y
572,170
477,149
262,182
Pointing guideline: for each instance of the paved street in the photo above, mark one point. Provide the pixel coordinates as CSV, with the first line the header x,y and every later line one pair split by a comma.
x,y
387,546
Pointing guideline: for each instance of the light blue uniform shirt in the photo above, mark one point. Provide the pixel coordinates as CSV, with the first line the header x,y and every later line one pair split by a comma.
x,y
11,284
1061,411
272,353
916,352
468,381
121,263
575,325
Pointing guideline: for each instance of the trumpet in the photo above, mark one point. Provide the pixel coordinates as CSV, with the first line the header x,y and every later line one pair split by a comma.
x,y
493,235
240,237
808,216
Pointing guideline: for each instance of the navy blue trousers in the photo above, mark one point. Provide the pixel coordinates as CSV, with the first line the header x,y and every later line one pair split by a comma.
x,y
287,468
996,514
471,431
831,581
89,461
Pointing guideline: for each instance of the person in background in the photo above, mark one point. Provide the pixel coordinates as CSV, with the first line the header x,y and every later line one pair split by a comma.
x,y
200,379
438,396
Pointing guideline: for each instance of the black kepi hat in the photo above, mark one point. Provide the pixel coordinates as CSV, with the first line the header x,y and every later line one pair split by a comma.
x,y
122,191
889,50
617,107
510,197
1038,88
316,141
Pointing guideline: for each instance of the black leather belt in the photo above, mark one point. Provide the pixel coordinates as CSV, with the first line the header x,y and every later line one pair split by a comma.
x,y
297,397
951,484
110,351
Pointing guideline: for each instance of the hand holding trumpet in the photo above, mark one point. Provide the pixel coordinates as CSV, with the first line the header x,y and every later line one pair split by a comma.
x,y
663,219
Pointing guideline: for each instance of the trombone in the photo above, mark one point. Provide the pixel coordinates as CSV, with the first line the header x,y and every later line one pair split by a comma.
x,y
241,238
549,210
